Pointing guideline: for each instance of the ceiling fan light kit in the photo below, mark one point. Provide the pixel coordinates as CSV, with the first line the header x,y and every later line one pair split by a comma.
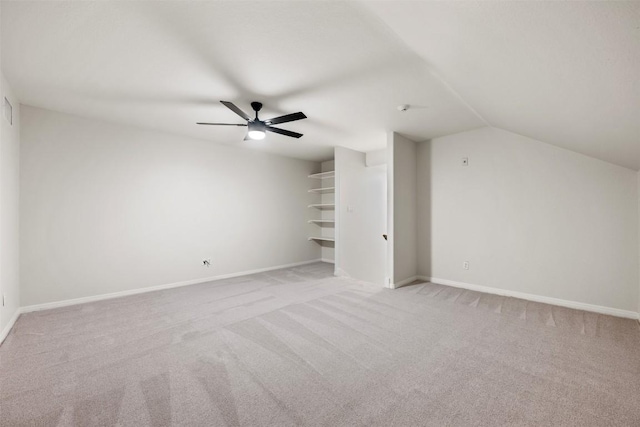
x,y
257,128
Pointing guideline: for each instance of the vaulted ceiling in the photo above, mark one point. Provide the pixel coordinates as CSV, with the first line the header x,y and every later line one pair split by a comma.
x,y
565,73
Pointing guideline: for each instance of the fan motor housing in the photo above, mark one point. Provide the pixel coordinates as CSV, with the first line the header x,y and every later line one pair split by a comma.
x,y
257,125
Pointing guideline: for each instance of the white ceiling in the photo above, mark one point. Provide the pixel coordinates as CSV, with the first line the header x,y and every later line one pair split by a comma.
x,y
563,73
166,65
566,73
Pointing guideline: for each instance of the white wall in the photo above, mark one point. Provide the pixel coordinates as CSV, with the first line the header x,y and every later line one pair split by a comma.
x,y
403,228
362,217
110,208
376,157
9,209
529,217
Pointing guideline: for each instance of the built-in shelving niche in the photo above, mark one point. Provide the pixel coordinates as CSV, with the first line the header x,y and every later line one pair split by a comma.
x,y
323,208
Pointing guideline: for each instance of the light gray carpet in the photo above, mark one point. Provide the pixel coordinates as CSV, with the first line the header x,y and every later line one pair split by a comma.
x,y
300,347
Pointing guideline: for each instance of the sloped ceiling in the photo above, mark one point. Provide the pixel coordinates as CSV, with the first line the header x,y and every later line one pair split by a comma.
x,y
565,73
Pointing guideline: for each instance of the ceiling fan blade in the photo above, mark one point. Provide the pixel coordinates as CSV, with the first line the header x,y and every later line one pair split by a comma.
x,y
232,107
284,132
286,118
222,124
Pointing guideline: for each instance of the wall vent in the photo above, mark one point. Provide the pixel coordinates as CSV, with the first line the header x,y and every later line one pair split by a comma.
x,y
7,111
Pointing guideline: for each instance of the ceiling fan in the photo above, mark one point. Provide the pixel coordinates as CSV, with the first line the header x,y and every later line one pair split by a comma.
x,y
257,127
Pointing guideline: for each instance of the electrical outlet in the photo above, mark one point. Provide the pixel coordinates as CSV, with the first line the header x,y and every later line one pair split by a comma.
x,y
465,161
206,262
465,265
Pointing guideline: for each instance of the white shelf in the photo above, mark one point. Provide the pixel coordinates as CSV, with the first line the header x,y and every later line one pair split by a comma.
x,y
323,206
323,239
323,190
322,221
323,175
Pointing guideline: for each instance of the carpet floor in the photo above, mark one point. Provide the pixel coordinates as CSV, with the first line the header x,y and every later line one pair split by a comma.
x,y
301,347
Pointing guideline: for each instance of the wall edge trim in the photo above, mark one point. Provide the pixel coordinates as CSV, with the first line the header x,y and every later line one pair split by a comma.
x,y
7,329
101,297
405,282
536,298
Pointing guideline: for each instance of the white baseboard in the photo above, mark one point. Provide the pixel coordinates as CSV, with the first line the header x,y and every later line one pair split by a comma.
x,y
83,300
536,298
330,261
7,329
404,282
